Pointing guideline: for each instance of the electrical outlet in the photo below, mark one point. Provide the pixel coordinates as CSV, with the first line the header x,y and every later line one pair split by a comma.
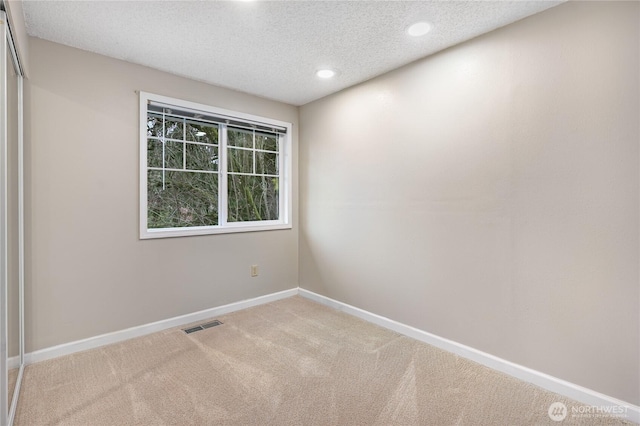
x,y
254,270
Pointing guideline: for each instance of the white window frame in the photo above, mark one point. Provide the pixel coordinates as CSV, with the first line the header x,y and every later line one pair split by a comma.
x,y
285,171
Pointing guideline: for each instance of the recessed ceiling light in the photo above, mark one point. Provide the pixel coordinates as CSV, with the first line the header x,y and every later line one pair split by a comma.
x,y
419,29
325,73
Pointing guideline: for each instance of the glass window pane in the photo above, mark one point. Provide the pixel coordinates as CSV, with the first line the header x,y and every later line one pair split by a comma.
x,y
154,125
241,138
185,199
204,133
202,157
252,198
173,152
267,142
173,129
172,126
266,163
154,153
240,160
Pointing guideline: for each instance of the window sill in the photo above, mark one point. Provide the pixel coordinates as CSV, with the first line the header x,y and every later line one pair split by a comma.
x,y
147,234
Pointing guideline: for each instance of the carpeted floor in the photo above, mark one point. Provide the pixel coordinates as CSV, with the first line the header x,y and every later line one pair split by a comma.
x,y
291,362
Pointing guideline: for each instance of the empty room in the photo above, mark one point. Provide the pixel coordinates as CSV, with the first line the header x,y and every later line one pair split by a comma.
x,y
319,212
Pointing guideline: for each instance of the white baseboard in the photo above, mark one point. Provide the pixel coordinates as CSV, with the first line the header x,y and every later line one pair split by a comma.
x,y
545,381
129,333
13,362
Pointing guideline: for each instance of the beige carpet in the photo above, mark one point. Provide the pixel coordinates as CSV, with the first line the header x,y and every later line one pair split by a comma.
x,y
291,362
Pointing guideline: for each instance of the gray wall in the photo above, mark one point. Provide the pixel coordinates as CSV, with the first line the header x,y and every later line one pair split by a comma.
x,y
489,194
88,273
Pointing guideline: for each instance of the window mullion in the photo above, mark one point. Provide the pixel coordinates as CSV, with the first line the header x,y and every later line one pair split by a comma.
x,y
163,149
184,144
222,175
282,181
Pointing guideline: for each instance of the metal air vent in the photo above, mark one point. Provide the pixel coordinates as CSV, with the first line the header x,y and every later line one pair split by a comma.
x,y
201,326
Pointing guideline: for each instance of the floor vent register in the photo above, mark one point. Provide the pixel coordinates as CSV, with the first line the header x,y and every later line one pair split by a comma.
x,y
201,327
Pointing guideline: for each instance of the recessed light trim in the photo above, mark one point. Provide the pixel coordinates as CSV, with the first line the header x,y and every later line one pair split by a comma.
x,y
419,29
325,73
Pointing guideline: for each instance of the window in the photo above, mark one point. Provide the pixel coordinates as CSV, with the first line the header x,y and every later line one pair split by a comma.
x,y
205,170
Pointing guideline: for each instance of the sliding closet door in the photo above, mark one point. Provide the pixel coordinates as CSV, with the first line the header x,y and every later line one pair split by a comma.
x,y
11,227
13,301
4,275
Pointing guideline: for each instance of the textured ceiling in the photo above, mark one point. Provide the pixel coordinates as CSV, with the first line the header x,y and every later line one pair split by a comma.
x,y
270,49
